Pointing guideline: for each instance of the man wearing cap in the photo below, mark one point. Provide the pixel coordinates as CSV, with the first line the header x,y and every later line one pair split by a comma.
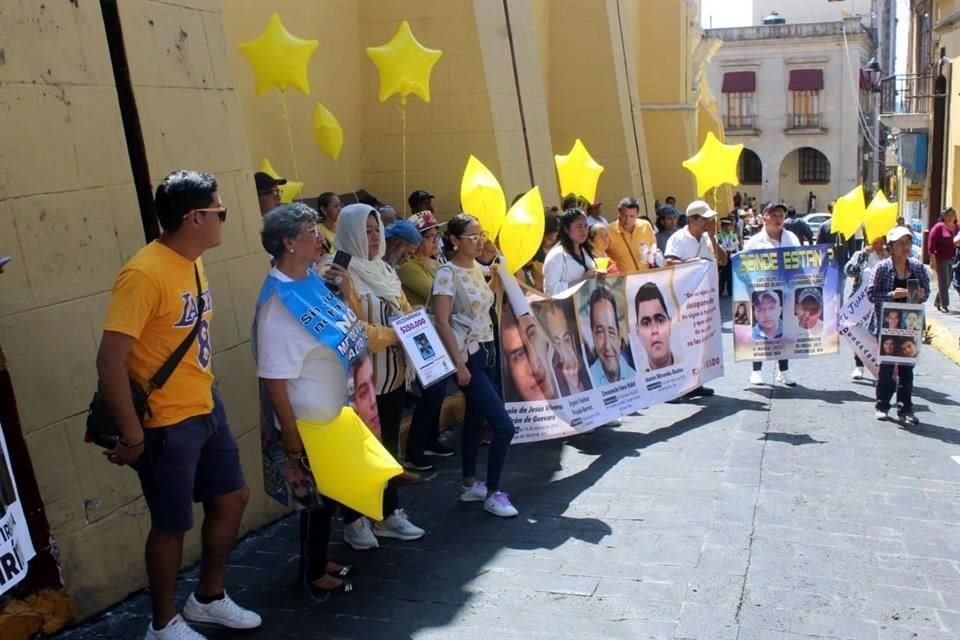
x,y
420,200
692,241
403,238
268,191
772,236
631,239
666,226
595,215
767,315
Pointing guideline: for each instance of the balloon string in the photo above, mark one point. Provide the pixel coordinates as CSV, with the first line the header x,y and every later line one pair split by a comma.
x,y
286,121
346,180
403,150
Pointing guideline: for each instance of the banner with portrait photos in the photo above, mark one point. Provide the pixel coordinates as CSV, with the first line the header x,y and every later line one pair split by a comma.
x,y
785,303
854,321
608,347
901,333
16,548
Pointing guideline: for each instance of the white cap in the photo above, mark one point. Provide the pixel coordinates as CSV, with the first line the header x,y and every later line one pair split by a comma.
x,y
700,208
898,232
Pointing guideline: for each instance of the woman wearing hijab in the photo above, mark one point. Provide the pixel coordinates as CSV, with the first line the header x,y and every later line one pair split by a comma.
x,y
377,298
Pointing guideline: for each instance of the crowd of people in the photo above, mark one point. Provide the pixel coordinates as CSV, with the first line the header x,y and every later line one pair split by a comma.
x,y
343,273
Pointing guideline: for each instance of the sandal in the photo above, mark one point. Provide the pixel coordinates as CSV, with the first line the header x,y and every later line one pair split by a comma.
x,y
345,586
344,571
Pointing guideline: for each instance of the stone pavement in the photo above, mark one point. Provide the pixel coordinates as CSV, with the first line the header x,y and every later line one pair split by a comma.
x,y
762,513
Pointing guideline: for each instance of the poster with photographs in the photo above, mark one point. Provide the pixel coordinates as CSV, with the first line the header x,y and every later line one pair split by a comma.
x,y
607,348
901,333
785,303
424,349
16,548
854,322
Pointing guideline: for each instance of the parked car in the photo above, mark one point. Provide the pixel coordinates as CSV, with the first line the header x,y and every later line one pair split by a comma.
x,y
814,220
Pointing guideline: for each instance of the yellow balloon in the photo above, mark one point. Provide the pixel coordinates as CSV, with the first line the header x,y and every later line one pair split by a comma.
x,y
848,213
881,216
327,132
404,65
289,191
279,59
348,462
579,173
482,197
522,231
714,164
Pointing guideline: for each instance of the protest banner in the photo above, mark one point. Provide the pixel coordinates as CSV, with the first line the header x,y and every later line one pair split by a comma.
x,y
16,548
608,347
425,351
786,302
901,329
854,322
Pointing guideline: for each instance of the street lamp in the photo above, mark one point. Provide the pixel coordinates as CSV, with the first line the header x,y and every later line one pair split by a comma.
x,y
873,68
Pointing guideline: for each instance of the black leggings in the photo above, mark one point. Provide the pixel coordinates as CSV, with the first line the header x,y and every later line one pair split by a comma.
x,y
315,540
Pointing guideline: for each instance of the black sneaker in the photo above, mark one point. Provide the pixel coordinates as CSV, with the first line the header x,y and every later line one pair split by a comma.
x,y
908,418
701,392
438,451
418,464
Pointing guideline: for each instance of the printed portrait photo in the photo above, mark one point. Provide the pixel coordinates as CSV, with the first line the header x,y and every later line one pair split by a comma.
x,y
912,321
808,309
527,374
891,319
558,318
603,323
423,346
363,392
741,313
767,314
653,322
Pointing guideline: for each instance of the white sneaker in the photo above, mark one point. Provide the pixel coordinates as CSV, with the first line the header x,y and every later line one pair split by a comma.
x,y
784,378
476,493
359,535
881,415
397,525
499,505
176,629
224,612
756,377
857,373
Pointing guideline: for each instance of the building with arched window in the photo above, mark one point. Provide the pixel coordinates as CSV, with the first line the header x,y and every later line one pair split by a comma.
x,y
793,94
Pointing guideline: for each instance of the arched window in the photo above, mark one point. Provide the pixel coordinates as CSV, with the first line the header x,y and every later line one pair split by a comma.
x,y
750,169
814,168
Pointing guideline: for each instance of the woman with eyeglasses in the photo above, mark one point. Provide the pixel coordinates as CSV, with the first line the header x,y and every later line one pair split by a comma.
x,y
304,377
461,301
377,298
569,261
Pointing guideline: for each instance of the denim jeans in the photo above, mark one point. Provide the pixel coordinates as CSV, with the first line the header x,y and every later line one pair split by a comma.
x,y
485,403
784,365
886,386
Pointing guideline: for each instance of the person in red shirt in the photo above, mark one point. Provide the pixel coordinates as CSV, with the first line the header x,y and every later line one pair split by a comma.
x,y
941,247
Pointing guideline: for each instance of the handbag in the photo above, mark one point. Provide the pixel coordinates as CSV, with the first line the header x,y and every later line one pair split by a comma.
x,y
102,428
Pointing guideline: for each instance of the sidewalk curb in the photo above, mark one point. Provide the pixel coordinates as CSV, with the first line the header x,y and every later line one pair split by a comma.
x,y
943,340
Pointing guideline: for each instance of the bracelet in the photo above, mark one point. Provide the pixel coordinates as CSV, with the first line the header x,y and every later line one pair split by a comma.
x,y
131,446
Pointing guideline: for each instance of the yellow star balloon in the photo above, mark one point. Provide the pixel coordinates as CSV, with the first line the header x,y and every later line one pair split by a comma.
x,y
522,231
348,462
579,173
279,59
482,197
288,191
404,65
714,164
848,213
327,132
881,216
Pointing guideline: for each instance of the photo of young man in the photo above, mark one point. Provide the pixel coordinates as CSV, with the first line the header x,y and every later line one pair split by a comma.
x,y
526,370
653,326
559,319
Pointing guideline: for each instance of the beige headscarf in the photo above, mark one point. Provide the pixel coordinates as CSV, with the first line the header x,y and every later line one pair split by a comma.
x,y
372,274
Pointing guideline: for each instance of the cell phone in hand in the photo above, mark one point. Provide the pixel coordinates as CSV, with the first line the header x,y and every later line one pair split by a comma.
x,y
913,290
341,259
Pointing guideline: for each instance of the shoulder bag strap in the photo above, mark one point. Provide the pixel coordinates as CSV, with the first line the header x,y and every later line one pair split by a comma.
x,y
164,372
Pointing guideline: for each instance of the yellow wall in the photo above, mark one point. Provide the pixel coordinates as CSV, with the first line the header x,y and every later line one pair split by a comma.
x,y
69,214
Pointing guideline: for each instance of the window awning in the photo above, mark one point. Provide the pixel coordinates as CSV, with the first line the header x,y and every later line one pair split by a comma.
x,y
806,80
739,82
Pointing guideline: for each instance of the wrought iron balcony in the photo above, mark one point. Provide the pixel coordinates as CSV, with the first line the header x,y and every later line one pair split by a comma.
x,y
906,94
734,123
804,121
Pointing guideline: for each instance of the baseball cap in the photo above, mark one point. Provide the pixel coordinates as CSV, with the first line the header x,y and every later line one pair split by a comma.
x,y
424,220
769,294
265,181
809,293
700,208
417,197
776,205
630,203
404,230
898,232
594,206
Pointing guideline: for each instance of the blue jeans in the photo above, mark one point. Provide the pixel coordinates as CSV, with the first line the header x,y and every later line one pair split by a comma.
x,y
485,403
